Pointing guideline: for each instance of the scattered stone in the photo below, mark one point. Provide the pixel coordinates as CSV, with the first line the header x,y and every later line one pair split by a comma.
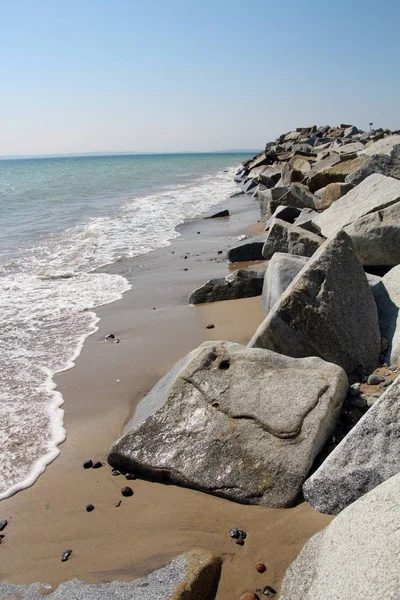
x,y
374,379
97,465
115,472
354,390
89,507
118,503
2,538
66,555
240,284
269,591
130,476
3,524
240,541
287,238
127,491
261,568
247,251
195,434
317,316
88,464
210,326
356,556
367,456
221,213
109,337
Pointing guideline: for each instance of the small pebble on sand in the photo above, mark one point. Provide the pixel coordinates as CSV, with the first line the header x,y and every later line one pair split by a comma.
x,y
66,555
261,568
89,507
3,524
210,326
88,464
127,491
97,464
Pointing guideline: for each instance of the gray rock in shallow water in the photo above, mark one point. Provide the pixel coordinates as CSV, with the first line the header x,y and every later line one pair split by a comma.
x,y
376,236
282,269
240,284
284,237
191,576
249,250
356,556
366,457
387,298
374,193
244,424
327,311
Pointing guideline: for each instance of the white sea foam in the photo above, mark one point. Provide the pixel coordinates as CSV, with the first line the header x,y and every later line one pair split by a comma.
x,y
47,295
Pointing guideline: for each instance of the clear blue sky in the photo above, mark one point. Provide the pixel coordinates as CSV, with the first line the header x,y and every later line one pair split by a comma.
x,y
170,75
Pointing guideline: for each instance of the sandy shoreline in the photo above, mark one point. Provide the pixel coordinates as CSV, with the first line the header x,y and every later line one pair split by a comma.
x,y
100,393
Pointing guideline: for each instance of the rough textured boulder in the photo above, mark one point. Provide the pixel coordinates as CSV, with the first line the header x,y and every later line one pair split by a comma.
x,y
337,173
374,193
366,457
240,284
284,237
387,298
327,311
297,195
356,556
378,163
376,236
247,251
329,194
265,198
282,269
285,213
244,424
384,146
191,576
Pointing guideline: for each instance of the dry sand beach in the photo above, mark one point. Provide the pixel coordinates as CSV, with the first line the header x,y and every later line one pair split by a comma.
x,y
156,328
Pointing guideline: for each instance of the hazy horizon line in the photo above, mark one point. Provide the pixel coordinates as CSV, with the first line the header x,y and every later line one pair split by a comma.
x,y
126,153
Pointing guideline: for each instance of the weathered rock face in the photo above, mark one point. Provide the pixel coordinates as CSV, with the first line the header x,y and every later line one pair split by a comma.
x,y
387,298
247,251
282,269
327,311
284,237
329,194
265,198
285,213
374,193
378,163
337,173
376,236
298,195
356,556
191,576
244,424
366,457
384,146
240,284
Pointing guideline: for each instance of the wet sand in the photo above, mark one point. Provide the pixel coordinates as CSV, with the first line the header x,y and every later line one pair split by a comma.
x,y
155,327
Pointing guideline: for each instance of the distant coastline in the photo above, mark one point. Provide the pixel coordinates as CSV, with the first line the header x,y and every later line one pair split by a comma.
x,y
111,153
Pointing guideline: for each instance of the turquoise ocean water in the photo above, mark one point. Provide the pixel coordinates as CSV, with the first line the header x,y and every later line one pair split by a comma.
x,y
60,219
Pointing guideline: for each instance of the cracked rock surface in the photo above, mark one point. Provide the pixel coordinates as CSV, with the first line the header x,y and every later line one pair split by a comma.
x,y
241,423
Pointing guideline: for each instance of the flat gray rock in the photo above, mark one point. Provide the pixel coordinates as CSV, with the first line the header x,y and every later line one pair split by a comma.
x,y
377,163
248,250
384,146
282,269
366,457
376,236
387,298
240,284
374,193
356,556
191,576
328,311
266,197
284,237
334,174
329,194
244,424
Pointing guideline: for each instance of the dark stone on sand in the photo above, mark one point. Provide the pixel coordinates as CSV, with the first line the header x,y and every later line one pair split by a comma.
x,y
66,555
269,591
97,464
117,504
2,538
375,379
250,250
210,326
3,524
109,336
130,476
240,541
261,568
127,491
89,507
115,472
221,213
88,464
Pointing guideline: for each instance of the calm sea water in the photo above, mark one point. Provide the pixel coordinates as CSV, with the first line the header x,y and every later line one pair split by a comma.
x,y
60,219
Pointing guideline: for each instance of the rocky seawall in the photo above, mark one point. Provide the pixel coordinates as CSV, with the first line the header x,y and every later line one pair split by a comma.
x,y
310,408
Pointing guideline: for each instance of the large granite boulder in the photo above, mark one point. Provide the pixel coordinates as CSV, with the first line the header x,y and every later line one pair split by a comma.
x,y
383,146
282,269
284,237
374,193
356,556
329,194
327,311
265,197
366,457
240,284
297,195
335,174
384,164
244,424
376,236
191,576
285,213
247,251
387,298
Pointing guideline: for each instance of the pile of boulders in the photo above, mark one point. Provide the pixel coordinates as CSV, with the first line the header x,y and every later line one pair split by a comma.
x,y
312,405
